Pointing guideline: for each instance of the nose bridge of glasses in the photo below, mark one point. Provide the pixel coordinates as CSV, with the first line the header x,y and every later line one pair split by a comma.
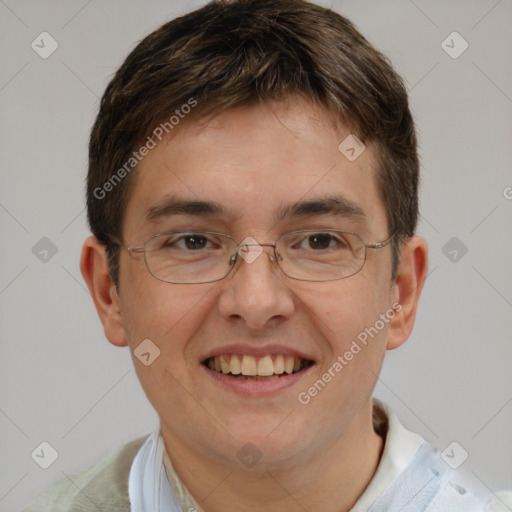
x,y
255,244
244,251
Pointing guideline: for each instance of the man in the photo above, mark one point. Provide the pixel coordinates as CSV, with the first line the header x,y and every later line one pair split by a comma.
x,y
252,194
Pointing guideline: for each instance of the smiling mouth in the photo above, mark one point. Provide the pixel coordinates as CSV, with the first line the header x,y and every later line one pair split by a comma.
x,y
248,367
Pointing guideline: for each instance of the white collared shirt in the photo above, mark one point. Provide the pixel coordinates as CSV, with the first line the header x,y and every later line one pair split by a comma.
x,y
411,477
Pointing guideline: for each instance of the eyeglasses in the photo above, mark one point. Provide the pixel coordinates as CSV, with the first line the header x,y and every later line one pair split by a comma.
x,y
195,257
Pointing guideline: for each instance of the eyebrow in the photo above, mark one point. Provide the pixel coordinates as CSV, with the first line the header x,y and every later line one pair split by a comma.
x,y
330,205
172,205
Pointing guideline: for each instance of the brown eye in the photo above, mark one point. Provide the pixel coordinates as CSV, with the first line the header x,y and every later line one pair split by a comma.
x,y
195,242
320,241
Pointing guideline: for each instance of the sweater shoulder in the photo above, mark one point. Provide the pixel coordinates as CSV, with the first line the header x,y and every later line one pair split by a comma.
x,y
103,486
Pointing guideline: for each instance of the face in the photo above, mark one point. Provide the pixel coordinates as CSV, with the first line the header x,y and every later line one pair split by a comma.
x,y
253,163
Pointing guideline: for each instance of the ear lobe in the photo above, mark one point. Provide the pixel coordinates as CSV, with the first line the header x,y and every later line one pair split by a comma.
x,y
406,290
94,268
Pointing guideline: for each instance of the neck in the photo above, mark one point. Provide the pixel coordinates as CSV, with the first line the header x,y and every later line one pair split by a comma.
x,y
331,480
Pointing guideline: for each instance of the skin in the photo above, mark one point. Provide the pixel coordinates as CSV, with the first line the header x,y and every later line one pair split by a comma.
x,y
319,456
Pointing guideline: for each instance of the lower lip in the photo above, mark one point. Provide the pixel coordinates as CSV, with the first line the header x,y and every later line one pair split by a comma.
x,y
257,387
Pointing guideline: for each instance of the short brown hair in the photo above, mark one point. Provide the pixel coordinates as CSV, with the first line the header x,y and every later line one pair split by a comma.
x,y
233,53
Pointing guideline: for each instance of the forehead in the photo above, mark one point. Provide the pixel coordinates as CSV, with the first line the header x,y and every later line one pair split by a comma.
x,y
257,166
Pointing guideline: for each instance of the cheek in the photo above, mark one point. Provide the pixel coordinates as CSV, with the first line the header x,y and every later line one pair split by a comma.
x,y
345,308
168,317
165,313
348,318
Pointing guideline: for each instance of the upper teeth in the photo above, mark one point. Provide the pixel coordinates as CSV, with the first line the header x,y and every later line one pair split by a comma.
x,y
250,365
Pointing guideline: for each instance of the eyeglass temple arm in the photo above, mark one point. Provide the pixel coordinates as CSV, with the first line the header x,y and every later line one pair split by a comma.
x,y
130,250
379,245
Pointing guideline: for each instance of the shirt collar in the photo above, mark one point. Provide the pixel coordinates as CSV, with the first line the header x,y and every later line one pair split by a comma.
x,y
399,448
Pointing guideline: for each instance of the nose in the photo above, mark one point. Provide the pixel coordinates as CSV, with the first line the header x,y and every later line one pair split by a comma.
x,y
256,293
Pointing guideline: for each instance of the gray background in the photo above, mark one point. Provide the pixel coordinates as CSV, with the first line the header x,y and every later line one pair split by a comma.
x,y
62,382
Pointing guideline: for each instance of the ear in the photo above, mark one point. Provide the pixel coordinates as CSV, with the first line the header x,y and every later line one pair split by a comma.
x,y
94,268
406,290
